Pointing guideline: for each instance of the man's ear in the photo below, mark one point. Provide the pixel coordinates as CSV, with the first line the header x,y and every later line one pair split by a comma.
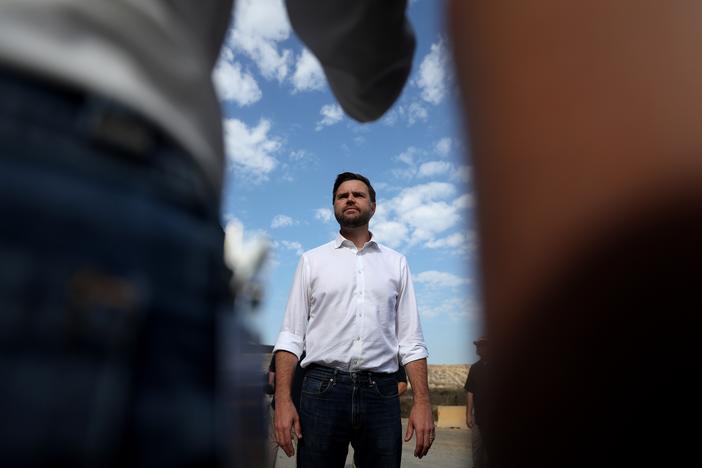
x,y
372,208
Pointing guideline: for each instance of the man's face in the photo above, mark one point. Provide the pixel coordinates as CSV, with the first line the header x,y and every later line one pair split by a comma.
x,y
352,205
481,350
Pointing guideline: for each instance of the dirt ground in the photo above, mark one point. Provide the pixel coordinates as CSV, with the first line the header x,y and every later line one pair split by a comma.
x,y
451,449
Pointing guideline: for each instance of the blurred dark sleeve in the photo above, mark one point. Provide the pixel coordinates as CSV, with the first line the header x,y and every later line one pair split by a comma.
x,y
365,48
401,374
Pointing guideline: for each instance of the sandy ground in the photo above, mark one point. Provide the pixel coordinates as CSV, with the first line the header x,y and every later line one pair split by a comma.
x,y
451,449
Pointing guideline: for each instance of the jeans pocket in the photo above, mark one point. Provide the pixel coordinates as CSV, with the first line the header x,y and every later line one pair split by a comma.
x,y
386,388
316,386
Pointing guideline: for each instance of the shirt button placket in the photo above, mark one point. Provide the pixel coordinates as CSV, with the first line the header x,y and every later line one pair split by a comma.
x,y
359,278
361,293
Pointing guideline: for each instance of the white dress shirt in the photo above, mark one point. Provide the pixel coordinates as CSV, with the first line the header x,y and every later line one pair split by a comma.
x,y
353,309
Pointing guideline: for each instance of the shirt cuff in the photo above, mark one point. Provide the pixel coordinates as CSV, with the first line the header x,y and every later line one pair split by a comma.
x,y
413,353
289,342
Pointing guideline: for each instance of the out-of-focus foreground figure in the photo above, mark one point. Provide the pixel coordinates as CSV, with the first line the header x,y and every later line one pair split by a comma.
x,y
112,279
584,119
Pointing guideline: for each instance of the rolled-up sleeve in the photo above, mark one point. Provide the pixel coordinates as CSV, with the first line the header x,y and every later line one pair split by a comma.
x,y
292,333
409,329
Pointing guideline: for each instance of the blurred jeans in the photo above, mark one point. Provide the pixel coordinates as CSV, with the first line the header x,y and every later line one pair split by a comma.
x,y
338,408
111,280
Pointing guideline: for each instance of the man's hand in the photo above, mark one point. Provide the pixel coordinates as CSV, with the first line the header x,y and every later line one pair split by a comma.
x,y
469,420
421,421
286,419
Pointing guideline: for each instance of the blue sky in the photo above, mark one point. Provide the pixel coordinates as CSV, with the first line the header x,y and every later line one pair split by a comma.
x,y
287,139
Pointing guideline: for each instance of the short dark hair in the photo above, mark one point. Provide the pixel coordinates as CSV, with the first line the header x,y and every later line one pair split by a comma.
x,y
345,176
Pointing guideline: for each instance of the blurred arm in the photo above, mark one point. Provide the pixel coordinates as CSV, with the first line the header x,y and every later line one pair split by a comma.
x,y
365,48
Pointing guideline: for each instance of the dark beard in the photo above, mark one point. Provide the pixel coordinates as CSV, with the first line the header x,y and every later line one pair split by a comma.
x,y
362,219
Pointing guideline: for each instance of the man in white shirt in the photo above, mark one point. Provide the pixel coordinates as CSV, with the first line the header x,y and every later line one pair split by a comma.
x,y
352,309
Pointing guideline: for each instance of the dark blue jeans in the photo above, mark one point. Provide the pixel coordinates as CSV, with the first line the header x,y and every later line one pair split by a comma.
x,y
111,277
338,408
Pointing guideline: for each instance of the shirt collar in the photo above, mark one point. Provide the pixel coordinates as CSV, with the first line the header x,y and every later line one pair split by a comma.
x,y
340,240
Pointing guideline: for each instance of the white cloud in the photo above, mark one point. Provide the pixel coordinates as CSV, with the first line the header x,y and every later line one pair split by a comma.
x,y
438,279
308,73
409,113
233,84
434,168
289,245
259,25
456,308
250,149
408,158
458,242
390,119
419,214
432,74
391,233
298,155
417,196
415,113
443,146
464,201
463,174
331,114
430,219
323,214
280,221
467,308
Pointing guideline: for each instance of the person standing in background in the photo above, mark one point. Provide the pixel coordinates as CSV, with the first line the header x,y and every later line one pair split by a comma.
x,y
476,396
401,380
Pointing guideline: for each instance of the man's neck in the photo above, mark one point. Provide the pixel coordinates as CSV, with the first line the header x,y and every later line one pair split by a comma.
x,y
358,235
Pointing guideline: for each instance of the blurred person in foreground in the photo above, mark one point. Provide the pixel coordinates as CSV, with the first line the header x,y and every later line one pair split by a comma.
x,y
111,164
352,309
587,153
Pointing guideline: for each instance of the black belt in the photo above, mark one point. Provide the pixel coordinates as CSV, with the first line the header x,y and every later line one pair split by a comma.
x,y
360,373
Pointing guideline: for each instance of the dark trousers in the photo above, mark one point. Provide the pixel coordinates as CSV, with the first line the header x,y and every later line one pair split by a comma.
x,y
111,273
338,408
